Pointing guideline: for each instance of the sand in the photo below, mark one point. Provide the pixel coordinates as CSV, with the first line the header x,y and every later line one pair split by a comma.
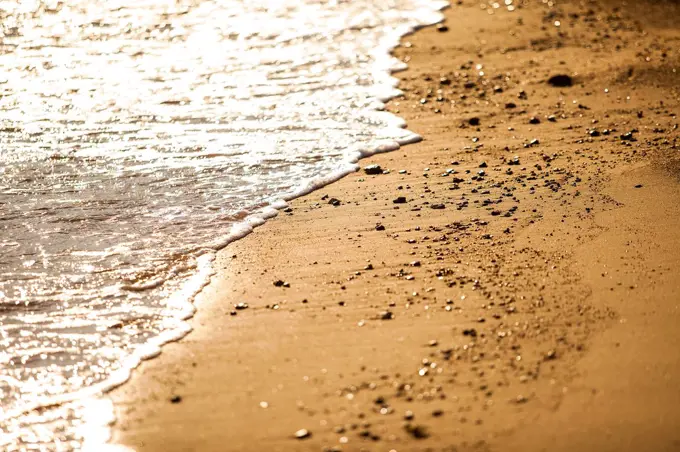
x,y
524,296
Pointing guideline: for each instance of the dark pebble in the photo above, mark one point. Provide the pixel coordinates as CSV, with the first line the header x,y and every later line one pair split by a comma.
x,y
473,121
334,202
373,169
534,120
399,200
379,227
441,28
176,399
560,81
386,315
417,431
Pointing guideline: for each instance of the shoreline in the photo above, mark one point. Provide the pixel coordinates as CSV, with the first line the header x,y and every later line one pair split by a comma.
x,y
326,364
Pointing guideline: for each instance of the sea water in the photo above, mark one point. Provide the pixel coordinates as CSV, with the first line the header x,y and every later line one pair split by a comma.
x,y
137,138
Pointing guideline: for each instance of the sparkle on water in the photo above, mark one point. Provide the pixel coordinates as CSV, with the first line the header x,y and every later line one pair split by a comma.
x,y
137,138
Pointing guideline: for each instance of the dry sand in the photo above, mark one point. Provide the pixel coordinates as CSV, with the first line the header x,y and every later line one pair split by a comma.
x,y
534,306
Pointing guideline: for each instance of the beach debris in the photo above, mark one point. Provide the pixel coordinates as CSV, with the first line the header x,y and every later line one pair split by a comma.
x,y
241,306
373,169
303,433
560,81
399,200
417,431
176,399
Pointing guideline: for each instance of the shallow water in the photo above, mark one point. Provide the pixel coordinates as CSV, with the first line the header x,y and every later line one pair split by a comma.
x,y
137,138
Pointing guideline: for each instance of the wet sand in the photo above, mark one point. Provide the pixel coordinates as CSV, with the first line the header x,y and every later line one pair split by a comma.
x,y
510,283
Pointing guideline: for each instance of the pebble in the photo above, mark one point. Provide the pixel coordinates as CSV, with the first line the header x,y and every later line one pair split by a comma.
x,y
176,399
399,200
417,431
386,315
303,433
560,81
241,306
373,169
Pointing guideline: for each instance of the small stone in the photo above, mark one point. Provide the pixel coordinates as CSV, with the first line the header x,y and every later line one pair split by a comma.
x,y
552,354
510,105
241,306
437,206
379,227
560,81
335,202
639,186
279,283
408,415
441,28
386,315
534,120
437,413
417,431
175,399
628,136
473,121
483,165
303,433
373,169
399,200
470,332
